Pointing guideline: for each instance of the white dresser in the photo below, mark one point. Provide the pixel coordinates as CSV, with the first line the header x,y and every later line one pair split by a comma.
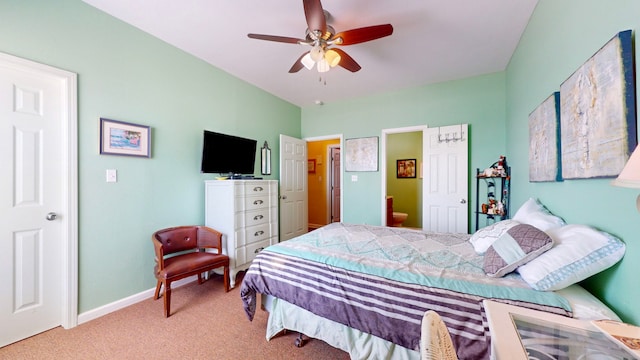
x,y
246,213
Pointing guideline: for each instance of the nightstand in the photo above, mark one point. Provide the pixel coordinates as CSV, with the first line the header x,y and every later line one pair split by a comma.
x,y
520,333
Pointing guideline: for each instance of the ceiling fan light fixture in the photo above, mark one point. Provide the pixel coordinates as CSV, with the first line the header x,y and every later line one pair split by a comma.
x,y
323,66
332,57
307,61
317,53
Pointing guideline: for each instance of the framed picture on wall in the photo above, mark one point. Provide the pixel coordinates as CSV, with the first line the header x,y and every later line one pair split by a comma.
x,y
598,113
544,141
122,138
311,166
361,154
406,168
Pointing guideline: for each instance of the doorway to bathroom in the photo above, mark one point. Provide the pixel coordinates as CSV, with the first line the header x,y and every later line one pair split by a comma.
x,y
438,195
402,176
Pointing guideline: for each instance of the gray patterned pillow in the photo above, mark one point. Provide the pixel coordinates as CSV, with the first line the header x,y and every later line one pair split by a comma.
x,y
483,238
519,245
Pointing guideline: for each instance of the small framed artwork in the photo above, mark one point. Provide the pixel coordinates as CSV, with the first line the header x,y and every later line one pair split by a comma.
x,y
122,138
406,168
311,166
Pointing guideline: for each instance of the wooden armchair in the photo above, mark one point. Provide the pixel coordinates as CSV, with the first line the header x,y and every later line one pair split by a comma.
x,y
182,252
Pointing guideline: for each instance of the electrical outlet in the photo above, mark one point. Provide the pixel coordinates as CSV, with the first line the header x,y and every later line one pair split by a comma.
x,y
354,178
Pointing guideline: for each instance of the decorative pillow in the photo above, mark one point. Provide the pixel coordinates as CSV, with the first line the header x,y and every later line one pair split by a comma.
x,y
580,251
519,245
483,238
535,214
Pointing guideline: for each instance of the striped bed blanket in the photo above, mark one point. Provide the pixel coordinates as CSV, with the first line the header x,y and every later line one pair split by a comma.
x,y
381,280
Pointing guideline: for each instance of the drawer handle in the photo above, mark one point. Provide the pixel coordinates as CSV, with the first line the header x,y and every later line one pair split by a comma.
x,y
258,202
258,233
258,250
258,217
258,188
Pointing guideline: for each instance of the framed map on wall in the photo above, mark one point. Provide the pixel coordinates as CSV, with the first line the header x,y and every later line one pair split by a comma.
x,y
544,141
598,113
361,154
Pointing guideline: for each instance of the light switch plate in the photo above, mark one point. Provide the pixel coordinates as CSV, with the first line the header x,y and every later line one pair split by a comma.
x,y
112,175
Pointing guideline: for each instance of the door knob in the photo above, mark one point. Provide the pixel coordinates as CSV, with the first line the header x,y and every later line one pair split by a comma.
x,y
51,216
283,197
463,201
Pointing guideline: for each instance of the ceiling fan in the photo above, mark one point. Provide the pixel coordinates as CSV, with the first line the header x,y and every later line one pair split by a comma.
x,y
322,37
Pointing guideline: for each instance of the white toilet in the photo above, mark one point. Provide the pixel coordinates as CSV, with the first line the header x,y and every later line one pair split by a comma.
x,y
399,218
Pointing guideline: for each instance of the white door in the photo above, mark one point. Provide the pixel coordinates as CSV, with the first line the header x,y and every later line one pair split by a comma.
x,y
335,184
294,219
36,107
445,202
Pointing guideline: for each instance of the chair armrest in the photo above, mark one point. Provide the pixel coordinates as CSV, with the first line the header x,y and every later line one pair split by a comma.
x,y
157,245
209,238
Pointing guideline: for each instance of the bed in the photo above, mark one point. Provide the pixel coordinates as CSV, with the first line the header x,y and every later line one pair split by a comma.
x,y
364,289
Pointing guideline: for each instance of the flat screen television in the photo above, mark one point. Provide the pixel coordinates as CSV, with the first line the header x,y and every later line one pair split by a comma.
x,y
227,154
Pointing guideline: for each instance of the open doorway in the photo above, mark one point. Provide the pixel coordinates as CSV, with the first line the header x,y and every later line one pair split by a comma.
x,y
444,169
324,180
402,181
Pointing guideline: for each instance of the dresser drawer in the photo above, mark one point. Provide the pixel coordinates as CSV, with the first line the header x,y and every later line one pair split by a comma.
x,y
252,203
251,189
245,255
251,218
252,234
257,233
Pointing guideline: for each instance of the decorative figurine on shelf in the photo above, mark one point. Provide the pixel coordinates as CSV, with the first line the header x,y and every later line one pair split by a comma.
x,y
501,165
497,169
493,207
489,172
500,209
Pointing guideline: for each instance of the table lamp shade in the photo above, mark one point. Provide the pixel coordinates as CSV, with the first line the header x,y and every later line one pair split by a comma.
x,y
630,174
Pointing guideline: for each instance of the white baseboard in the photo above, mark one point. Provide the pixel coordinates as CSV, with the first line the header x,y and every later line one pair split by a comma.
x,y
123,303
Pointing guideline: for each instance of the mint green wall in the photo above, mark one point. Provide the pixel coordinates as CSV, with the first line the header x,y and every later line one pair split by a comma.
x,y
560,37
127,75
478,101
406,192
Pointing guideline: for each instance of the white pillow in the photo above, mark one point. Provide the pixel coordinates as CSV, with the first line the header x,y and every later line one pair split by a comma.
x,y
579,252
483,238
535,214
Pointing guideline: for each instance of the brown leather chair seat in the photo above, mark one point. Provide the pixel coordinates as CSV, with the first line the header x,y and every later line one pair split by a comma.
x,y
185,251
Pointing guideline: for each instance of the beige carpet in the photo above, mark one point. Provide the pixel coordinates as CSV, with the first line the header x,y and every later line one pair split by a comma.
x,y
205,323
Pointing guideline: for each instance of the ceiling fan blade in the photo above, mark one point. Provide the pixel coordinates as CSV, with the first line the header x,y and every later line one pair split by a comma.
x,y
298,64
360,35
315,15
282,39
347,61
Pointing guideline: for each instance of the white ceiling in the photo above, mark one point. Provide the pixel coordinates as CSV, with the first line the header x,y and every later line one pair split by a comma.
x,y
433,40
